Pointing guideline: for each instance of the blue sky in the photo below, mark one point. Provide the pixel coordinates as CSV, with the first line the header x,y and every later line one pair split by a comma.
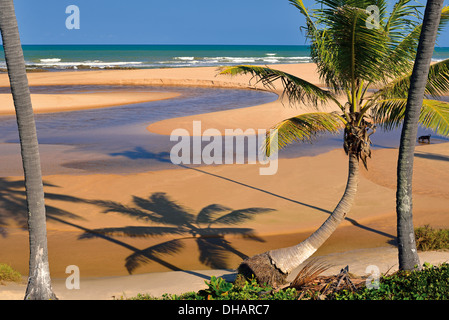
x,y
165,22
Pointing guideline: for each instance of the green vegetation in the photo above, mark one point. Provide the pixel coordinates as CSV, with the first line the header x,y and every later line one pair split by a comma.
x,y
7,273
430,283
219,289
428,238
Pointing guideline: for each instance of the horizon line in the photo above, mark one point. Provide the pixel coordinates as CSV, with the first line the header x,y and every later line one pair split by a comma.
x,y
154,44
166,44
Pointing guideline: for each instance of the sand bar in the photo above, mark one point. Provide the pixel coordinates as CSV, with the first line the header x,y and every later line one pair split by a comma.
x,y
47,103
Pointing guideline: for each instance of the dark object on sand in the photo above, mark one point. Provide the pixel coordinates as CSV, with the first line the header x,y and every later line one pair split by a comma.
x,y
424,138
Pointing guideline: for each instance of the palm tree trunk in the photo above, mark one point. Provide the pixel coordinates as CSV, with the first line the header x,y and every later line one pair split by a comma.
x,y
273,267
39,283
408,256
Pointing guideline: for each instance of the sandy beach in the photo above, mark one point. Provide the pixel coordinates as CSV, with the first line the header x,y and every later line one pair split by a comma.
x,y
47,103
290,204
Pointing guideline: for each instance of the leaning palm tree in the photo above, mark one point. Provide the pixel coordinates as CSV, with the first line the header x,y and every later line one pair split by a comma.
x,y
366,64
39,282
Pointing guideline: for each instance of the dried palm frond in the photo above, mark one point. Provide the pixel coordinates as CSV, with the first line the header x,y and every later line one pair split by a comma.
x,y
309,273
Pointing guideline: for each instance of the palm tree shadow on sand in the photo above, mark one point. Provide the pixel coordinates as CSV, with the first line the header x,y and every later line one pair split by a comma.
x,y
164,157
207,229
13,207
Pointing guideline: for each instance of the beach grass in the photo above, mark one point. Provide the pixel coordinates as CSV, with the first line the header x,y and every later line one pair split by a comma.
x,y
428,238
7,273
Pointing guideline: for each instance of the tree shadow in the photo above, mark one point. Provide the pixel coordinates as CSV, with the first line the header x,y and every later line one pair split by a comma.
x,y
13,211
431,156
13,205
208,229
142,153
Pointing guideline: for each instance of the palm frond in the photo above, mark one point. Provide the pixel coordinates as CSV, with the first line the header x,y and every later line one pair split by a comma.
x,y
401,56
437,84
444,19
403,19
349,51
303,128
309,273
296,89
311,27
389,113
405,36
434,115
302,8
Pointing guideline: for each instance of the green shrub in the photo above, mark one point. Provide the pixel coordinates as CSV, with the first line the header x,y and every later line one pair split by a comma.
x,y
428,238
219,289
7,273
431,283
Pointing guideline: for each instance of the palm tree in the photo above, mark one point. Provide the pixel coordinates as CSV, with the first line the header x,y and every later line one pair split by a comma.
x,y
368,67
408,256
39,282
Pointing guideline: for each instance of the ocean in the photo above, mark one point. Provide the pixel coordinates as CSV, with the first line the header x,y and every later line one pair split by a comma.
x,y
63,57
92,57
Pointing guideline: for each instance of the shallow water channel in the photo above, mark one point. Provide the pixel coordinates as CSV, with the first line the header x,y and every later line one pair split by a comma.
x,y
115,139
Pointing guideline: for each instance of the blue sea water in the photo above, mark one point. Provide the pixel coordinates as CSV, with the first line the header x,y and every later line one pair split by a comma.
x,y
63,57
68,57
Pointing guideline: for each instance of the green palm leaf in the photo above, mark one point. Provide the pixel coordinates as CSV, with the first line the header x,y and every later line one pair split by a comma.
x,y
302,8
304,128
402,19
434,114
349,51
438,82
401,56
437,85
296,89
404,48
389,113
